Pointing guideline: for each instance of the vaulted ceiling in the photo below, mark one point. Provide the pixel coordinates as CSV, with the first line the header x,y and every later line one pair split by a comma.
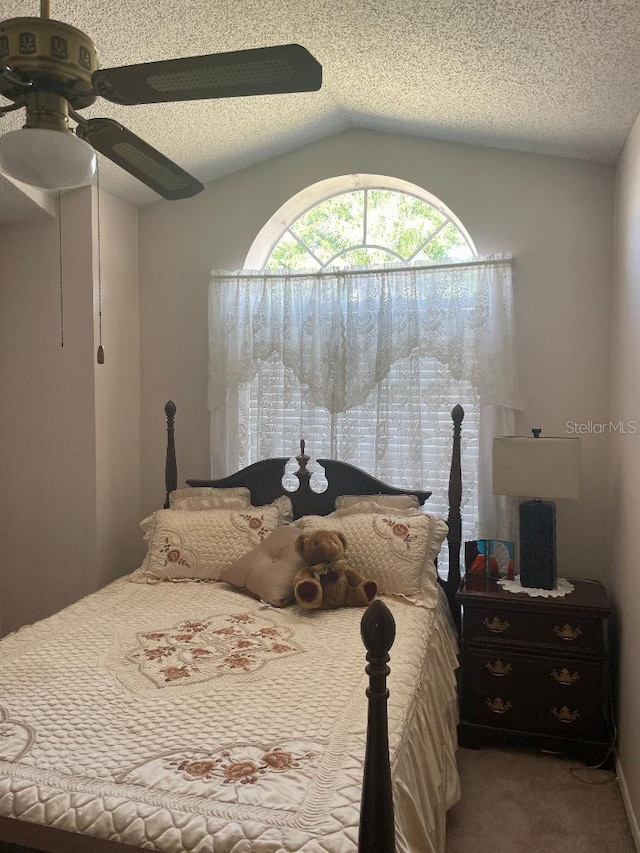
x,y
557,77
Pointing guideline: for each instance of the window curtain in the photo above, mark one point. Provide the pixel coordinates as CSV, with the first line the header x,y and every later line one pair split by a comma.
x,y
367,364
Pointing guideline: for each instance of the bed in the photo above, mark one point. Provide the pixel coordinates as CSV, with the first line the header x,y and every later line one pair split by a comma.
x,y
193,716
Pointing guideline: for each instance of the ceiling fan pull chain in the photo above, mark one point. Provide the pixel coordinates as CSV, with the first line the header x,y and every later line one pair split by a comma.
x,y
61,277
100,355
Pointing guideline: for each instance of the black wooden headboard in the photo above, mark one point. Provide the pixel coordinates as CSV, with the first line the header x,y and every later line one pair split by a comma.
x,y
264,480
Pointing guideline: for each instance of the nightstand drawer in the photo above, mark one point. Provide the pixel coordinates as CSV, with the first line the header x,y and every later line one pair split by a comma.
x,y
557,679
568,719
572,633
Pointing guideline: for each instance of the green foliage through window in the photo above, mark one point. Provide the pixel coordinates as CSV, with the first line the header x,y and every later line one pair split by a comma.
x,y
369,228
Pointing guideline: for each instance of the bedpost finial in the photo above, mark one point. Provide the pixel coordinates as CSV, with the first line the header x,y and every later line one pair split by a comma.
x,y
170,409
378,629
302,459
457,415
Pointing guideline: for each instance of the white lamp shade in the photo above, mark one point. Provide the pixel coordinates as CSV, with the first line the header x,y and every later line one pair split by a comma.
x,y
49,159
536,467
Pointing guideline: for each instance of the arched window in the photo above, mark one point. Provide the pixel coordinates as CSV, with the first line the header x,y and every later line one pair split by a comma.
x,y
357,221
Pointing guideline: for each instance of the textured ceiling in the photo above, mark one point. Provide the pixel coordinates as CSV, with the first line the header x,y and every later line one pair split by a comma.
x,y
549,76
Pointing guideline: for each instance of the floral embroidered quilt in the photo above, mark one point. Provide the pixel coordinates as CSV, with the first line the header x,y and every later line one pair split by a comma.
x,y
192,718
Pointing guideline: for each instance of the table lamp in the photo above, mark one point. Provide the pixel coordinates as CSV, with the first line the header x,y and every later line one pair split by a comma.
x,y
540,468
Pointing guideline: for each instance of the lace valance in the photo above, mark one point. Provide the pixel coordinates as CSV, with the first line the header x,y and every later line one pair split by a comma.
x,y
340,332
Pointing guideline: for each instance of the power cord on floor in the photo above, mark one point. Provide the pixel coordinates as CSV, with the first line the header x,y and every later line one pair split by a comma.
x,y
607,780
611,774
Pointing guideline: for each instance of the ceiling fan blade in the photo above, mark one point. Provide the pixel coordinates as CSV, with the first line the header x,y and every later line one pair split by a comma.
x,y
138,158
259,71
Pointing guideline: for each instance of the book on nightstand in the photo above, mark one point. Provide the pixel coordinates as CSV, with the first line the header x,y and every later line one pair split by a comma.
x,y
489,558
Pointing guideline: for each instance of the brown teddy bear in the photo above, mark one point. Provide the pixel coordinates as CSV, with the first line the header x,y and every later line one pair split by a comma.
x,y
327,581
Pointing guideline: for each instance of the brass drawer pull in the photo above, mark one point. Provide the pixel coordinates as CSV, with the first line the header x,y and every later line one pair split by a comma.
x,y
498,705
564,676
496,626
567,632
498,668
564,715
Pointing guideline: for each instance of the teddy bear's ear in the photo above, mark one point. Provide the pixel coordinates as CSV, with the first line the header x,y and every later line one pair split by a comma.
x,y
342,538
298,545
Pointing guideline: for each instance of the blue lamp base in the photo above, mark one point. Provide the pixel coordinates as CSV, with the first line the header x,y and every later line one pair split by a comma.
x,y
538,544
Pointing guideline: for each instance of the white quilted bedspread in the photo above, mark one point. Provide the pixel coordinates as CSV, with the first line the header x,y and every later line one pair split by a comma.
x,y
189,718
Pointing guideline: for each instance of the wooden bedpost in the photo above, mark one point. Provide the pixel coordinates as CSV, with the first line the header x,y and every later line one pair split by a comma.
x,y
377,827
171,468
454,519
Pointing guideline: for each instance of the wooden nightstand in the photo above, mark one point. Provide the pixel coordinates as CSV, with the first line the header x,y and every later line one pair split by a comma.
x,y
535,670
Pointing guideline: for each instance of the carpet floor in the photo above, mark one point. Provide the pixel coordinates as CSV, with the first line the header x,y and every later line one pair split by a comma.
x,y
530,802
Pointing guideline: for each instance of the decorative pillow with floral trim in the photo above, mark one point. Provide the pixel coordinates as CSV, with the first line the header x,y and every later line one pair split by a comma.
x,y
283,505
199,545
391,501
436,541
393,548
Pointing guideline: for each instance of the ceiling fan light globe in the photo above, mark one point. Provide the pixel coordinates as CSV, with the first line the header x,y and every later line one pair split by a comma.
x,y
48,159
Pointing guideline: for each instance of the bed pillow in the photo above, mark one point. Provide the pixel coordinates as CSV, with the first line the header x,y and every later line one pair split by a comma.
x,y
197,503
392,501
285,509
372,506
199,545
395,549
267,571
225,500
198,498
211,498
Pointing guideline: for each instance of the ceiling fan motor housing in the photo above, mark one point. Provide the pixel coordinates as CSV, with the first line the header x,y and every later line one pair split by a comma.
x,y
55,56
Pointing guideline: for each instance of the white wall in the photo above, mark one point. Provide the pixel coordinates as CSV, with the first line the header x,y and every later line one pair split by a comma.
x,y
117,390
62,427
47,454
625,468
554,214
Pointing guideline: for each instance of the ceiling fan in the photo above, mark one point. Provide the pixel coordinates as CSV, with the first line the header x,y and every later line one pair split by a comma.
x,y
51,69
